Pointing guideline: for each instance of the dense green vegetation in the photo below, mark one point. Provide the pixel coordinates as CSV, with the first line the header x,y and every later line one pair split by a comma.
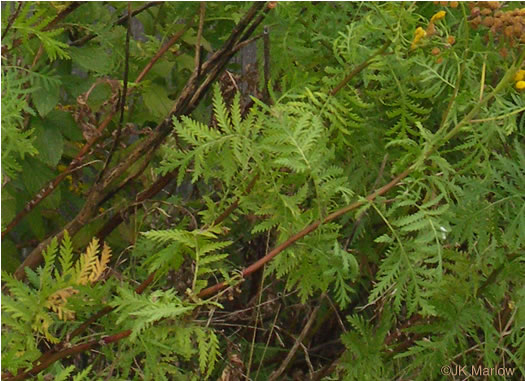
x,y
263,191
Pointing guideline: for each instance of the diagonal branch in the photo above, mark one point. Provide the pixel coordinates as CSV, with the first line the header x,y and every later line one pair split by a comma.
x,y
359,68
150,278
62,15
277,373
122,100
242,44
185,104
47,358
266,54
65,353
199,37
162,50
12,19
53,184
104,311
235,204
307,230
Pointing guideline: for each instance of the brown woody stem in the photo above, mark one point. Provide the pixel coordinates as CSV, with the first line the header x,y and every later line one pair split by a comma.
x,y
360,68
53,184
307,230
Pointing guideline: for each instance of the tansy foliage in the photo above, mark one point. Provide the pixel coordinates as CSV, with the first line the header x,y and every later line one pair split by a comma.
x,y
426,274
44,305
200,246
304,150
16,141
33,21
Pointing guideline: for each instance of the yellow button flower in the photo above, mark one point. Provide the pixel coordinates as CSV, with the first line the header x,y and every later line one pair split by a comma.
x,y
418,35
438,16
520,75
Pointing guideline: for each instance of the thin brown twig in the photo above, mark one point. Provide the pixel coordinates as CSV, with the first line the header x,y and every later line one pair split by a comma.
x,y
277,373
65,353
118,218
270,335
199,38
122,100
307,230
12,19
63,14
161,51
360,68
328,369
242,44
235,204
37,56
145,162
266,50
53,184
256,23
494,274
234,36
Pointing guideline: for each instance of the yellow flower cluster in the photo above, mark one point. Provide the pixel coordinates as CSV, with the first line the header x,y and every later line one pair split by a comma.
x,y
519,78
430,31
418,35
438,16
